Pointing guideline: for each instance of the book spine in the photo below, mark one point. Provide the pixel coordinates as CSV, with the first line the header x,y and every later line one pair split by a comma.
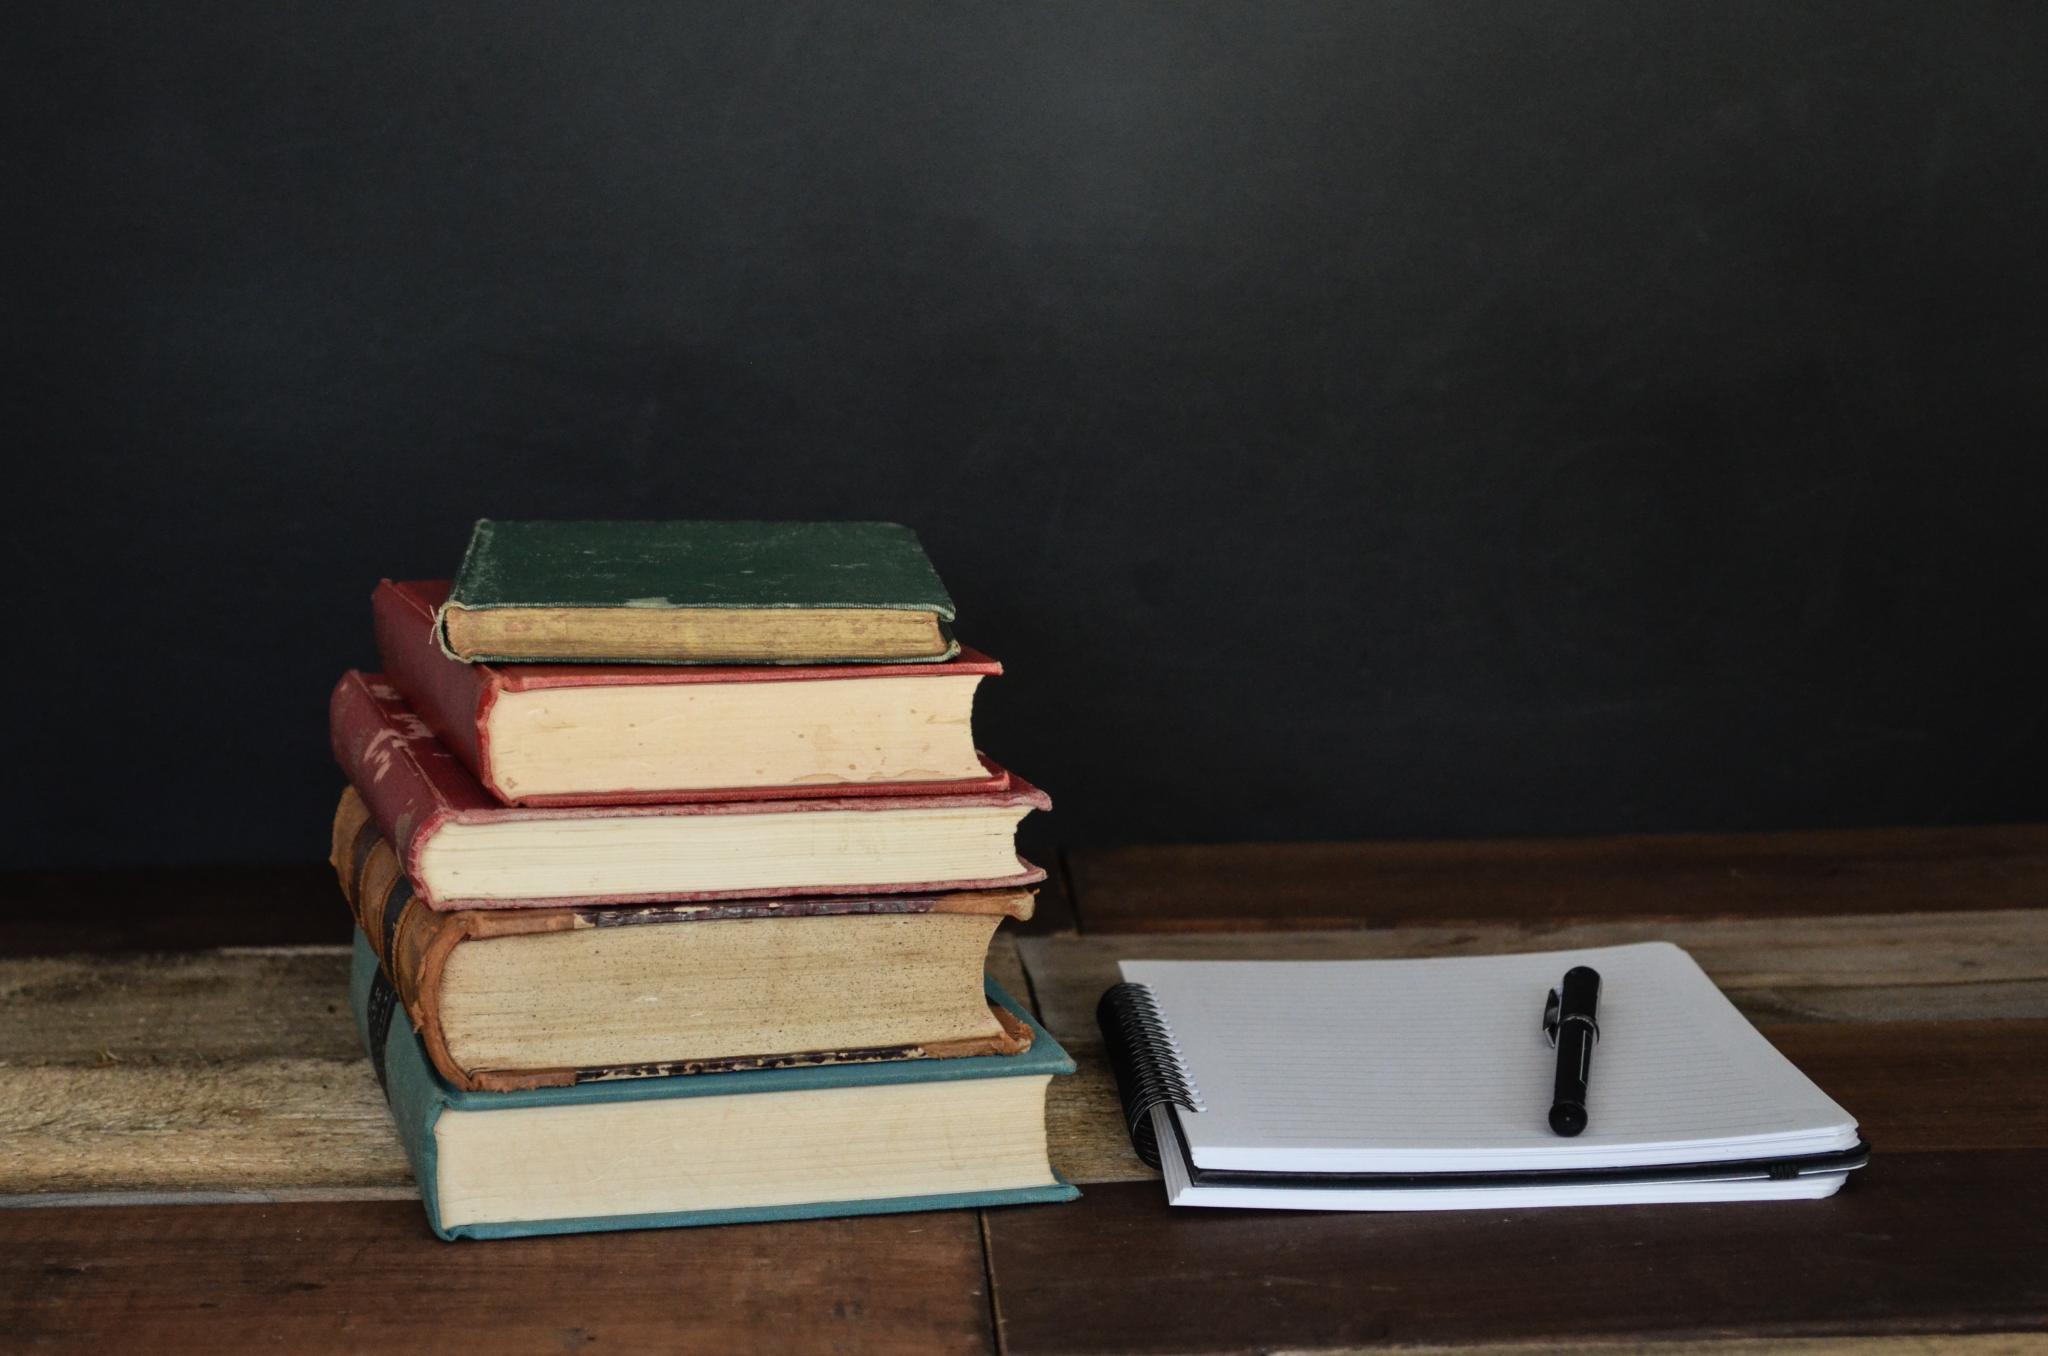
x,y
412,942
1147,1061
381,902
452,698
355,833
381,766
409,1088
376,891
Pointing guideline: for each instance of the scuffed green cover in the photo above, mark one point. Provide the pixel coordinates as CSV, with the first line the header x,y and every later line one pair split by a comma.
x,y
678,564
418,1097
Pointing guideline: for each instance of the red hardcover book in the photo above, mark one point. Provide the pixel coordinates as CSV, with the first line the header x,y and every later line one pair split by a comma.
x,y
462,848
636,734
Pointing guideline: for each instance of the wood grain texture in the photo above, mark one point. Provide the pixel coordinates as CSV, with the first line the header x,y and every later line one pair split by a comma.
x,y
1821,1001
215,1072
223,1071
256,1125
1931,1085
210,1006
202,1074
111,1093
1911,1086
1921,1243
1084,1125
1900,976
369,1277
1889,966
1333,885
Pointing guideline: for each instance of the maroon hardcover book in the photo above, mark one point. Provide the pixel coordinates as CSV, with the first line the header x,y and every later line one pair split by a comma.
x,y
451,834
465,705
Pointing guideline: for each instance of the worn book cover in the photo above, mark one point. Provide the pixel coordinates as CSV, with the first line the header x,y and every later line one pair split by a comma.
x,y
423,1107
461,847
894,739
415,944
696,592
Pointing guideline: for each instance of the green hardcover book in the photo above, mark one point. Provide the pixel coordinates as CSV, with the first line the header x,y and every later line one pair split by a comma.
x,y
726,1148
696,593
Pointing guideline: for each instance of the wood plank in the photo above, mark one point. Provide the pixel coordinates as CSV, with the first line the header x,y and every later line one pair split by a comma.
x,y
218,1072
1922,1243
261,1125
1917,1086
209,1072
369,1277
1902,1002
1333,885
204,1005
1806,970
202,1074
1084,1125
215,1005
160,908
1983,964
1913,1086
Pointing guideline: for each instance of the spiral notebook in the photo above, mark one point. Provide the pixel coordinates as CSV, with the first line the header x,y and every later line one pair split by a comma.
x,y
1425,1085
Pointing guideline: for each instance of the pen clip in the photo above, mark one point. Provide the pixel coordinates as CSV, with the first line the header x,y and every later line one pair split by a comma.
x,y
1554,1016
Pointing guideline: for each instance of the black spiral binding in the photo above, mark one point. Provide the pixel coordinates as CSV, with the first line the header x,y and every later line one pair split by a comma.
x,y
1146,1060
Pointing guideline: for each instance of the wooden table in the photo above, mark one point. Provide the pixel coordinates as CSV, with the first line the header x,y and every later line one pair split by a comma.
x,y
210,1168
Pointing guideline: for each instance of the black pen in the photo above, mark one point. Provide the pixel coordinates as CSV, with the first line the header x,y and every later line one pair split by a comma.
x,y
1569,1020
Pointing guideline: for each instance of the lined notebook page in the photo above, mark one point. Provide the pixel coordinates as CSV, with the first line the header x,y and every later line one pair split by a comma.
x,y
1442,1065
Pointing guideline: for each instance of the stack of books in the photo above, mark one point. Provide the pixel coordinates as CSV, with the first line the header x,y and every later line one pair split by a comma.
x,y
674,867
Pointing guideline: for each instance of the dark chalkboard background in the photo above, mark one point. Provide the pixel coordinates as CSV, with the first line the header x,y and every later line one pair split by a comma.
x,y
1345,419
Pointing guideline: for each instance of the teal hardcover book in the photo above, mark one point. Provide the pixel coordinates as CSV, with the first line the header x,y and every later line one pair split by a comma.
x,y
696,592
843,1139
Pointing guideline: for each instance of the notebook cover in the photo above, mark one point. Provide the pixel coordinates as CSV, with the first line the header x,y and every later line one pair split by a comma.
x,y
414,786
417,1099
413,944
454,699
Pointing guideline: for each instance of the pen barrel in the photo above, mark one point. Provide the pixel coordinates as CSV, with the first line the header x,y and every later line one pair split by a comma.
x,y
1574,1066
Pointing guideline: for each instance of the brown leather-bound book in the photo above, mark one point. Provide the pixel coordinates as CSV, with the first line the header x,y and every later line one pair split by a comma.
x,y
504,999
